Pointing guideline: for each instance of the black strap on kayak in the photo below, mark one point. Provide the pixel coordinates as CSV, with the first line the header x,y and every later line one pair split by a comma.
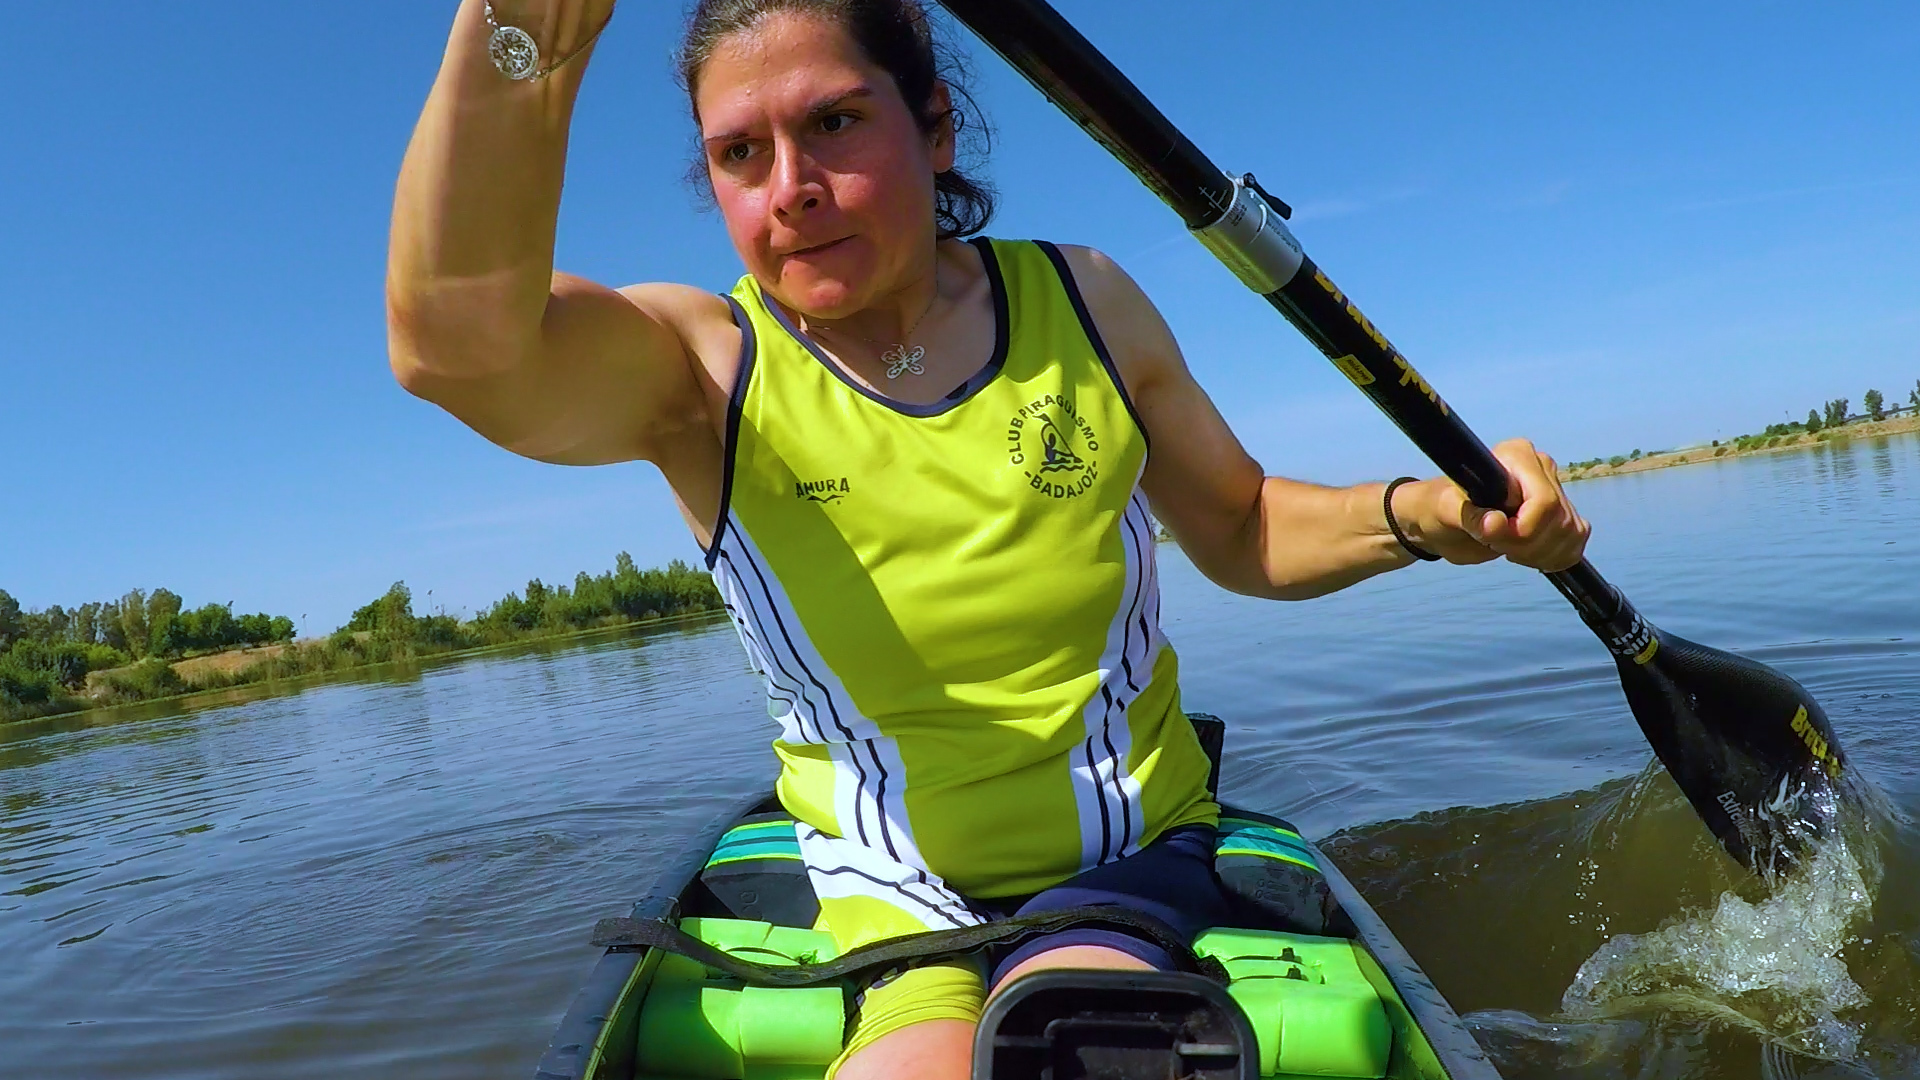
x,y
875,959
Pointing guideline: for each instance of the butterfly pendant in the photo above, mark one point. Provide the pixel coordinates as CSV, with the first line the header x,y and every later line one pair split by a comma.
x,y
900,361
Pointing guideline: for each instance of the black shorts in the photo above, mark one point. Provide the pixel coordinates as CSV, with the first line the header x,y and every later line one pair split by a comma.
x,y
1170,879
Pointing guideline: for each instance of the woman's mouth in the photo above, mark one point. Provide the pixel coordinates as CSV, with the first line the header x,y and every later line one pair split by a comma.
x,y
817,249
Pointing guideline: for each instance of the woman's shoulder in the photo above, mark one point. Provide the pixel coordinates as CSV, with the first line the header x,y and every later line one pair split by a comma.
x,y
1115,302
1098,278
676,304
702,320
697,315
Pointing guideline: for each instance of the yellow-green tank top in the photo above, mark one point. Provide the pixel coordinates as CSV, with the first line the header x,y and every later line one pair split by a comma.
x,y
955,606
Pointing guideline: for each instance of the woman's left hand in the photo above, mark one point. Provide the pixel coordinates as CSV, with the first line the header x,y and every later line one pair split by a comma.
x,y
1545,532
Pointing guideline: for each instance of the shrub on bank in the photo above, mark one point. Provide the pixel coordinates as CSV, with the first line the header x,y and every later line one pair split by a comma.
x,y
150,678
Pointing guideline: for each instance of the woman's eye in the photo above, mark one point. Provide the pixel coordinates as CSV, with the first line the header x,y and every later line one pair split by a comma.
x,y
837,122
737,153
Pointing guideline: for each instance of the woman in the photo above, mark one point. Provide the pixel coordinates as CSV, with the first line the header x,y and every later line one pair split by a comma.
x,y
918,465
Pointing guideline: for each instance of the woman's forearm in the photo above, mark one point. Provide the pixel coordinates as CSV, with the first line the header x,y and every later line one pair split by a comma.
x,y
470,263
1310,540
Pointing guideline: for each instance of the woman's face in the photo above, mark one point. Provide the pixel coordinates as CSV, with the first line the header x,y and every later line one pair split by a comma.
x,y
823,176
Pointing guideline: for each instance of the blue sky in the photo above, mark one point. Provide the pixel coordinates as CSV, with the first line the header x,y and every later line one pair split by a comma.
x,y
1603,226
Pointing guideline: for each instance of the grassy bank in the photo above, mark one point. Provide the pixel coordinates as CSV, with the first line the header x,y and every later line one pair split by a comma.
x,y
1795,437
200,693
44,675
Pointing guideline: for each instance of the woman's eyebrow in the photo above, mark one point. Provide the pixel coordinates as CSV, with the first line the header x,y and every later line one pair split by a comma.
x,y
838,101
824,107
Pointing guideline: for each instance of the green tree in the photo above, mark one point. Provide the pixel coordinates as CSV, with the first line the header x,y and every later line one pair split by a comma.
x,y
1836,412
163,613
113,631
133,622
1913,395
1813,420
253,629
390,616
210,626
1875,405
86,624
10,625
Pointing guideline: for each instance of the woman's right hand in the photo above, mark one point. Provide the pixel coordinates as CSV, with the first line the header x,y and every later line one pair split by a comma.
x,y
1543,532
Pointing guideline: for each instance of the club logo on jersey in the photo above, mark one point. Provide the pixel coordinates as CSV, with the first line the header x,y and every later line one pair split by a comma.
x,y
1053,446
821,491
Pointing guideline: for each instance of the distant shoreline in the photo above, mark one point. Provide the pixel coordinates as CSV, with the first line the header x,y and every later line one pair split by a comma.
x,y
1862,429
276,685
55,662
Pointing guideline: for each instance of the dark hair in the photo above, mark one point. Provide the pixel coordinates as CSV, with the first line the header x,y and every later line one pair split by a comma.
x,y
895,36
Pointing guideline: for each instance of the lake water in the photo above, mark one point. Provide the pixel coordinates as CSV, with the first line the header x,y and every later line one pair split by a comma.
x,y
397,872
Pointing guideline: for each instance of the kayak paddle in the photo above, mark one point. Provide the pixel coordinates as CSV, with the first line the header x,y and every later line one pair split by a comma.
x,y
1750,748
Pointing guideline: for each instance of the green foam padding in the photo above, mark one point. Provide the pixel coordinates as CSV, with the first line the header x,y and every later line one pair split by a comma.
x,y
696,1023
1311,1007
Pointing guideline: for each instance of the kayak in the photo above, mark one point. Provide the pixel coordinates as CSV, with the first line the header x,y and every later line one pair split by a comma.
x,y
719,973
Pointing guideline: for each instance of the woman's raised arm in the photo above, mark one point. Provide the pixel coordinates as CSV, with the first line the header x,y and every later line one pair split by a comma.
x,y
547,365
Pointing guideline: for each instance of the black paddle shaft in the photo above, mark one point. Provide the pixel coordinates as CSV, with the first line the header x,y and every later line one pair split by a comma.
x,y
1753,752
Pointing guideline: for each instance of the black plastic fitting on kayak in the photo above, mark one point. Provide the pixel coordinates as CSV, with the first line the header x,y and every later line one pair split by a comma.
x,y
1116,1025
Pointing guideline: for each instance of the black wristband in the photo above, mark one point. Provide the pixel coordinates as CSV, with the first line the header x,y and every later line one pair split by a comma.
x,y
1386,503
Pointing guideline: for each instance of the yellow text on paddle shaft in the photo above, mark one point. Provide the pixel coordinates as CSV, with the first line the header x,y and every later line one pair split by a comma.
x,y
1408,376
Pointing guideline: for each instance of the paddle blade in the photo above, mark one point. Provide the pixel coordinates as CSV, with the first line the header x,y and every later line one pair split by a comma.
x,y
1751,749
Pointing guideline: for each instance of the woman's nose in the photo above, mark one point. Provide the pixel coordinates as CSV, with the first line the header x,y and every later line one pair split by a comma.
x,y
795,189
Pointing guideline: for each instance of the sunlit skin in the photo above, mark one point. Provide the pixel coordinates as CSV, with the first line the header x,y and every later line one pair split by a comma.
x,y
822,174
826,185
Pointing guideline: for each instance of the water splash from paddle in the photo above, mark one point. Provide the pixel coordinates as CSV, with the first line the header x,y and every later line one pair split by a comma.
x,y
1772,965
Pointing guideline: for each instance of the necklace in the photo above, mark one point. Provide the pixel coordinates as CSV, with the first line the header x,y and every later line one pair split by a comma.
x,y
899,359
515,55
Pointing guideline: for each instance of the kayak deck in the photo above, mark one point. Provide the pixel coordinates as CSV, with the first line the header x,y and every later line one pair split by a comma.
x,y
1325,989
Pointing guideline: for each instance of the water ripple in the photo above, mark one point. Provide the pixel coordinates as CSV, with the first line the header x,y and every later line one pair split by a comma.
x,y
395,871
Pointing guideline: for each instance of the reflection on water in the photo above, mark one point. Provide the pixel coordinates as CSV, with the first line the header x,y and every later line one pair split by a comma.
x,y
395,872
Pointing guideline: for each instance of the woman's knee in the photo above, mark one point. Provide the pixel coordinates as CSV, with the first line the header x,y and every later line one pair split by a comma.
x,y
1098,957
